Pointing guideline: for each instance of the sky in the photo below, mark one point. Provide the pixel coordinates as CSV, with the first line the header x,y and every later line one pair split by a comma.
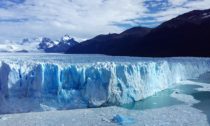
x,y
84,19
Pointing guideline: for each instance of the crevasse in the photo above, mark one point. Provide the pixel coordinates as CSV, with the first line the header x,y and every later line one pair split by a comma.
x,y
75,85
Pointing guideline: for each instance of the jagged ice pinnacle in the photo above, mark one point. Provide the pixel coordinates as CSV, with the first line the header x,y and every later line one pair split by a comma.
x,y
74,81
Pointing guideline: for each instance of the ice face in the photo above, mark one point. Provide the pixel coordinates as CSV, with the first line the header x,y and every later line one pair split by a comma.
x,y
74,81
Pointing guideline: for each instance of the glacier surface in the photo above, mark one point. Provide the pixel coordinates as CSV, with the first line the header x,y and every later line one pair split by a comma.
x,y
39,82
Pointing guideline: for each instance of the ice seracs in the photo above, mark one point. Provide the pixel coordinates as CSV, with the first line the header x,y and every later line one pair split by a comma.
x,y
65,81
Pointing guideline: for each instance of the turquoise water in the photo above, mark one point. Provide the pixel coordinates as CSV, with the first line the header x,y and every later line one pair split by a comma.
x,y
161,99
164,99
204,104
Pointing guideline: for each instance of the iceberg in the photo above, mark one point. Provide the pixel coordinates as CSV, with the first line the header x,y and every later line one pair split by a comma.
x,y
38,82
123,120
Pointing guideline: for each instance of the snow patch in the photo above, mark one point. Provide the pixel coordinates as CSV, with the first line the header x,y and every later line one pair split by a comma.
x,y
206,15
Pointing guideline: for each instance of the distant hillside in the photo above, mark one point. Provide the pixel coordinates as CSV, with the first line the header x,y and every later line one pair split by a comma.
x,y
185,35
111,43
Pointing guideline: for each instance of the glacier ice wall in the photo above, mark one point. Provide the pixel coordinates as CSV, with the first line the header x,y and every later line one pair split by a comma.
x,y
28,85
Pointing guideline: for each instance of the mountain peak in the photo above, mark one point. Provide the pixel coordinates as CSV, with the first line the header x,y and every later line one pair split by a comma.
x,y
66,38
195,17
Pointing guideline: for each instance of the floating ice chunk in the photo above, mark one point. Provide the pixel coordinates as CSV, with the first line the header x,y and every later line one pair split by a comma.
x,y
123,120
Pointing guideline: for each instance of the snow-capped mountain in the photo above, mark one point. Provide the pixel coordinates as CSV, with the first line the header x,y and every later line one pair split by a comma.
x,y
46,43
39,44
11,46
63,45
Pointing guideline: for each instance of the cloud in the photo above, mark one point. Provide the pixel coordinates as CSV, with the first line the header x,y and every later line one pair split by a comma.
x,y
177,2
169,9
80,18
85,18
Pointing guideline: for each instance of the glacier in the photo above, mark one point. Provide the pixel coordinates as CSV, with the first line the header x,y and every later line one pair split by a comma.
x,y
39,82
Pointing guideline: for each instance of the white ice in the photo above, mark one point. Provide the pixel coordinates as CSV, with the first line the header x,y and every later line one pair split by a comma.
x,y
39,82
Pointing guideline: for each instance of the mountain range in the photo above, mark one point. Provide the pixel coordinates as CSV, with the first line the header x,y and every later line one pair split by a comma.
x,y
185,35
39,44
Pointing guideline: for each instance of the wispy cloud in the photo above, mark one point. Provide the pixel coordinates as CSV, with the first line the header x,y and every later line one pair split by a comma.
x,y
85,18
